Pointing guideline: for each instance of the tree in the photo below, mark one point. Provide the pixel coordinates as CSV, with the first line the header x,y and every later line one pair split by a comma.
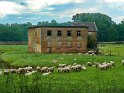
x,y
91,42
102,21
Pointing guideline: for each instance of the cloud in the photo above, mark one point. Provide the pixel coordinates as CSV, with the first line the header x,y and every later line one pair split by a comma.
x,y
113,1
40,4
7,8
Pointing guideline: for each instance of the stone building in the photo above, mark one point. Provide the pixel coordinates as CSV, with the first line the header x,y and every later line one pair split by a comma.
x,y
92,29
57,39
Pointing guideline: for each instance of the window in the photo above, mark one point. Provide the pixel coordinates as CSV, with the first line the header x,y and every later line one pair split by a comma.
x,y
69,33
59,33
49,33
78,33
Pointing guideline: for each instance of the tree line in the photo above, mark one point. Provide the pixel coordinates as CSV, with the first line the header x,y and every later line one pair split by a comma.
x,y
108,30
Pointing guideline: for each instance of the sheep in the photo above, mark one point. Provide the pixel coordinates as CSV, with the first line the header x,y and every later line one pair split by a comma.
x,y
76,67
86,54
21,70
89,64
60,69
44,74
51,69
62,65
122,62
113,63
74,64
65,69
29,68
38,69
30,73
6,71
13,70
83,67
44,69
109,65
54,61
102,66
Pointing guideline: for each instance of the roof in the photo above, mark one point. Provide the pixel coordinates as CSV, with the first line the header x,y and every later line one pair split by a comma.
x,y
91,25
59,27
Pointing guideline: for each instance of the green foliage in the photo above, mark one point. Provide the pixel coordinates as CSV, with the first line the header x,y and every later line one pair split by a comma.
x,y
91,42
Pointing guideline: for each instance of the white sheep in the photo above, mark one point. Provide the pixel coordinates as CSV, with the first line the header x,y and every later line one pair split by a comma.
x,y
122,62
51,69
44,74
44,69
83,67
113,63
65,69
38,69
60,69
54,61
89,64
6,71
30,73
62,65
13,70
102,66
21,70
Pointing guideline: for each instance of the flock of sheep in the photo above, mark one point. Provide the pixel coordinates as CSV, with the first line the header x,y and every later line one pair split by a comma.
x,y
61,68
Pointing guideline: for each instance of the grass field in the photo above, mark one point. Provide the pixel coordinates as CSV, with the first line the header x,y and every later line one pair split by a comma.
x,y
91,80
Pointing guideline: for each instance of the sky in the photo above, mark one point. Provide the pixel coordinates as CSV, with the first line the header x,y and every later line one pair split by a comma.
x,y
22,11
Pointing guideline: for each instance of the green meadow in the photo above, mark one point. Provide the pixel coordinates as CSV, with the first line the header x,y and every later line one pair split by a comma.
x,y
91,80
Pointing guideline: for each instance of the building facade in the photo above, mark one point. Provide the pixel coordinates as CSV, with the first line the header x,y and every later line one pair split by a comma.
x,y
57,39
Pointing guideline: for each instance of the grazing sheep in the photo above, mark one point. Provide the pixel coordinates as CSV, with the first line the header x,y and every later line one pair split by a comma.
x,y
113,63
21,70
74,64
30,73
51,69
62,65
83,67
6,71
29,68
65,69
38,69
77,67
13,70
54,61
44,69
102,66
97,64
89,64
44,74
60,69
109,65
86,54
122,62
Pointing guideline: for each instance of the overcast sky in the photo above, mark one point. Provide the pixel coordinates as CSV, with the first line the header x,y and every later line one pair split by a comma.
x,y
22,11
